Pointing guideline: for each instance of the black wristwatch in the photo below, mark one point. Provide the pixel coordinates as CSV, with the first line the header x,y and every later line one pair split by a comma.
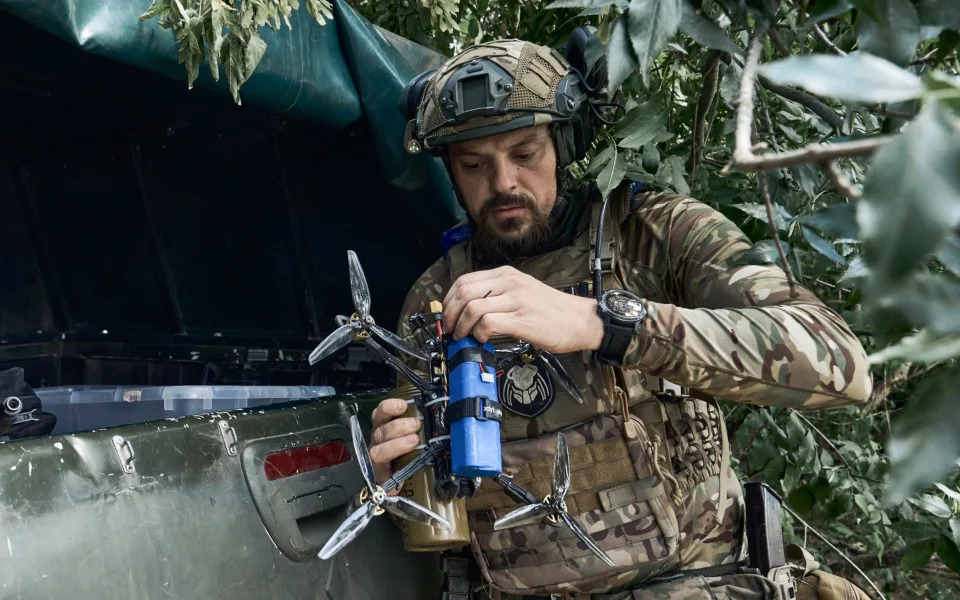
x,y
622,313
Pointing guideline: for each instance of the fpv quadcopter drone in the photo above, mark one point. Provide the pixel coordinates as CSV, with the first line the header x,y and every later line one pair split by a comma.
x,y
432,402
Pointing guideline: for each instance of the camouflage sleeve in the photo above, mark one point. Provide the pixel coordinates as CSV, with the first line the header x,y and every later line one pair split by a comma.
x,y
735,331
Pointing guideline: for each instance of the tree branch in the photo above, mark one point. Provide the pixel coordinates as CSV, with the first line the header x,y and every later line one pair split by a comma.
x,y
782,48
826,40
745,160
765,192
742,151
840,181
700,132
819,108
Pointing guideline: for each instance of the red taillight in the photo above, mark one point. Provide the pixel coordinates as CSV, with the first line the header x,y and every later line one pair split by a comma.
x,y
307,458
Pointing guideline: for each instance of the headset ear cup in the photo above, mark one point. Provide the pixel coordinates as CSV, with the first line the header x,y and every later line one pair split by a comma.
x,y
413,94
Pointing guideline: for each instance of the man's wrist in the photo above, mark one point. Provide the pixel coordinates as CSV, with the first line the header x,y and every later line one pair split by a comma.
x,y
593,326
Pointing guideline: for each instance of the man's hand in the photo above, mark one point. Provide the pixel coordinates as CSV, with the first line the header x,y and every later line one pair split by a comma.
x,y
392,437
504,301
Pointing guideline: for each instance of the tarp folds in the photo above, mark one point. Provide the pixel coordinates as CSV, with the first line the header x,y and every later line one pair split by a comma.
x,y
134,211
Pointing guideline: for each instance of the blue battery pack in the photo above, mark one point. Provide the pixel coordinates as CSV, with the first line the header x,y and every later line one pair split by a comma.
x,y
473,411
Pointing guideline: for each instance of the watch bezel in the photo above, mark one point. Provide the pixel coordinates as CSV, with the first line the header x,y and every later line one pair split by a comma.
x,y
606,308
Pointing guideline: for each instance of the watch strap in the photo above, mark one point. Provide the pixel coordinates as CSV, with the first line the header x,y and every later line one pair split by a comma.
x,y
616,340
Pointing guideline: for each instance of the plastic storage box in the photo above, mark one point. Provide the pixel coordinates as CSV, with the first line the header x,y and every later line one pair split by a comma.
x,y
82,408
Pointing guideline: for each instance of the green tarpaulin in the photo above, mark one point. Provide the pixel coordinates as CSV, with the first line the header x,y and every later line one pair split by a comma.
x,y
133,209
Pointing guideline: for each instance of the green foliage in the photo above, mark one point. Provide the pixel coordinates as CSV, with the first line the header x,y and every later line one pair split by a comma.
x,y
199,29
881,247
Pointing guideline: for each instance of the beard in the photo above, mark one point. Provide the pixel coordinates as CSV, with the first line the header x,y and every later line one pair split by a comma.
x,y
509,240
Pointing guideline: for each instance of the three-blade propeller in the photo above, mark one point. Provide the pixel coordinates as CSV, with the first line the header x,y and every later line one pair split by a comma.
x,y
361,326
374,501
548,361
553,506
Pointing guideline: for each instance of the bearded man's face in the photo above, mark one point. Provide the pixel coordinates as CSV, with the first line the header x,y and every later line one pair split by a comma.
x,y
509,186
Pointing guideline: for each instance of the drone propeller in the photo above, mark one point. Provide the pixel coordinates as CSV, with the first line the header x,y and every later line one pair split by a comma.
x,y
374,501
553,506
548,361
361,325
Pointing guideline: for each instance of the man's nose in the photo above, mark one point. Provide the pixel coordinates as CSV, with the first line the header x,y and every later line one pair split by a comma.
x,y
504,177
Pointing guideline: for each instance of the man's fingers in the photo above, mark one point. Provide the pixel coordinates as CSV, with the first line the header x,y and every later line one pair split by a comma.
x,y
383,454
492,324
394,429
476,309
387,410
479,277
463,294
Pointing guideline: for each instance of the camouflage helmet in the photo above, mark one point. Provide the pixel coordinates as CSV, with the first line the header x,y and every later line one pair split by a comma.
x,y
495,87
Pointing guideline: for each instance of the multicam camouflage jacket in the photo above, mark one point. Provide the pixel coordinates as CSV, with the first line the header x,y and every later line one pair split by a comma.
x,y
649,452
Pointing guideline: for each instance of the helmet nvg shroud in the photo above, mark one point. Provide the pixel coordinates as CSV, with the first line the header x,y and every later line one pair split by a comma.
x,y
496,87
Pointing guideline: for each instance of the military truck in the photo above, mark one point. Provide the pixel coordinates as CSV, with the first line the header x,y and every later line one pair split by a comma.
x,y
168,260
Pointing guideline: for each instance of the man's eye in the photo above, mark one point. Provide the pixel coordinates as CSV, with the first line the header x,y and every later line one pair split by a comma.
x,y
471,166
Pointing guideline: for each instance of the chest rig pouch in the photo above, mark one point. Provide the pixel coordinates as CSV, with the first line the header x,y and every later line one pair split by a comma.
x,y
622,490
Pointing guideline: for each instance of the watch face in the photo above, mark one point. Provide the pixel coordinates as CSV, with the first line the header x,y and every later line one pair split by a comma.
x,y
624,305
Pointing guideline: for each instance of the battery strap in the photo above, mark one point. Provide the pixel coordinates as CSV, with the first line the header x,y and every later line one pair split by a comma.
x,y
475,354
479,407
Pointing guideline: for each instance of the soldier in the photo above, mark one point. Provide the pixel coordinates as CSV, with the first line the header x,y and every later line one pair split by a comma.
x,y
677,324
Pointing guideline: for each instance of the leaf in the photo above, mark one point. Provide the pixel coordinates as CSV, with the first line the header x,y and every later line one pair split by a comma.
x,y
581,3
939,14
760,454
820,487
822,246
855,77
763,252
795,431
791,133
837,220
775,469
945,87
926,437
802,500
933,505
949,254
599,161
214,37
640,123
871,8
955,529
917,555
911,199
952,494
925,300
652,24
673,173
924,347
156,8
759,211
704,31
895,36
915,531
730,84
252,55
826,9
621,62
651,157
948,552
791,477
612,174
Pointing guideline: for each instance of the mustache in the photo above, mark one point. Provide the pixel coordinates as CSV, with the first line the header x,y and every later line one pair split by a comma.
x,y
507,201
